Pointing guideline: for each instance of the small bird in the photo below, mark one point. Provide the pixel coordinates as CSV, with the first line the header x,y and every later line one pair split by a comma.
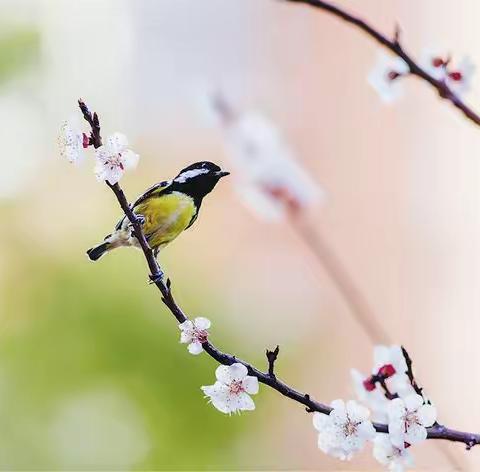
x,y
165,210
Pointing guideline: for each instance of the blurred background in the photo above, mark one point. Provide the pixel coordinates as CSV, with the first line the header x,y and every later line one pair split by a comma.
x,y
91,372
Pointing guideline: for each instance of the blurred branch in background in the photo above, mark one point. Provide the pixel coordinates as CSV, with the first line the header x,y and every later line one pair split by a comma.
x,y
274,186
331,263
394,46
436,431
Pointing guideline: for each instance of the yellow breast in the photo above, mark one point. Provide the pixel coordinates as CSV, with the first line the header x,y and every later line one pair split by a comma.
x,y
166,216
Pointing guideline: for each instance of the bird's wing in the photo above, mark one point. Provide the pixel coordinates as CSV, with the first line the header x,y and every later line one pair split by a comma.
x,y
156,189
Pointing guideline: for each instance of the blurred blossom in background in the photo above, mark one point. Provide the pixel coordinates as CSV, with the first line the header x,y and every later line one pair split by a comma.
x,y
91,372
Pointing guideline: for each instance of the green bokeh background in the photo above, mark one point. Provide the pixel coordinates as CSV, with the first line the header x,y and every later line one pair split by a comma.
x,y
93,326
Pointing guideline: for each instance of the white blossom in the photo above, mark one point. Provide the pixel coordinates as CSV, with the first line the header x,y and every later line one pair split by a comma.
x,y
194,333
345,430
270,180
374,398
390,365
114,158
386,77
231,392
385,357
395,458
408,419
434,63
71,142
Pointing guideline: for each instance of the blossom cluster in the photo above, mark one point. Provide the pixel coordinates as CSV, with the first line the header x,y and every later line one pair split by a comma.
x,y
389,394
233,387
393,398
386,75
112,158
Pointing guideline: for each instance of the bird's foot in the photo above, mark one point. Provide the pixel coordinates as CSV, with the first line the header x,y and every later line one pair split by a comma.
x,y
140,219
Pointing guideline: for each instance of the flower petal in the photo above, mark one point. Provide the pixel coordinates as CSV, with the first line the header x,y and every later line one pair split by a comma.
x,y
366,430
218,395
105,172
222,403
185,337
195,348
413,402
357,412
186,325
250,384
130,159
234,372
245,402
202,323
339,414
427,414
415,433
321,421
117,143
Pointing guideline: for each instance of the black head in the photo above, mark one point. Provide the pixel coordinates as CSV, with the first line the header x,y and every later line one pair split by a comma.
x,y
198,179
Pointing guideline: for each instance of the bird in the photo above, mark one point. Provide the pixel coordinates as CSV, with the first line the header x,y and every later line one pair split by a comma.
x,y
164,210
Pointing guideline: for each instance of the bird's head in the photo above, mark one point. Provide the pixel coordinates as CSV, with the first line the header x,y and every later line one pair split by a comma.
x,y
199,179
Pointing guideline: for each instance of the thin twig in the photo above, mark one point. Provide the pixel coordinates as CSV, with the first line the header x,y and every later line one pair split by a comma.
x,y
272,358
410,375
156,276
394,46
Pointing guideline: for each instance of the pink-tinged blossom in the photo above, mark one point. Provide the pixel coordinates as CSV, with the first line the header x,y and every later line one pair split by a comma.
x,y
231,392
270,181
390,359
408,419
345,430
114,158
389,366
194,333
386,77
435,64
457,77
395,459
72,142
374,398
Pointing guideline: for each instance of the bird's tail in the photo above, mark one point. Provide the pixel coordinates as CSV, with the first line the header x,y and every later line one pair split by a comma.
x,y
96,252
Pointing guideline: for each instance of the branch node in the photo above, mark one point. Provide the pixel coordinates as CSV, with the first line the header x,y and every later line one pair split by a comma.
x,y
308,409
272,357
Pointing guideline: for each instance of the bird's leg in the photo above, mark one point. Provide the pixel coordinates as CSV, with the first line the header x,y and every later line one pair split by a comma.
x,y
140,218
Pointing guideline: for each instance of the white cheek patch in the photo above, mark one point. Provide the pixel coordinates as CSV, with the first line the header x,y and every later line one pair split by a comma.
x,y
190,174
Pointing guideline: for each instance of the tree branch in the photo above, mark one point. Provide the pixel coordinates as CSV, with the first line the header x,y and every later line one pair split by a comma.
x,y
267,378
394,46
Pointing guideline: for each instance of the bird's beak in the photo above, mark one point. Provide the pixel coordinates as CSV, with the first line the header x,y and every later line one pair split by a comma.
x,y
222,173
